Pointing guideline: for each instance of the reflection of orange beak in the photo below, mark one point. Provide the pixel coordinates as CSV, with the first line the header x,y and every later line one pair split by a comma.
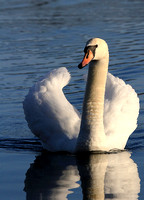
x,y
87,58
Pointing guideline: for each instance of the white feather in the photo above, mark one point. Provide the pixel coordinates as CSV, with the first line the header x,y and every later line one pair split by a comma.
x,y
49,114
56,122
121,110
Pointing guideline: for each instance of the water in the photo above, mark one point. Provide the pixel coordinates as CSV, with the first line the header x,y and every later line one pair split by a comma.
x,y
37,36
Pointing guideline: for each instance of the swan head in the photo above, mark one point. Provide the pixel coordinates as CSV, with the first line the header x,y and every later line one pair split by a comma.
x,y
95,49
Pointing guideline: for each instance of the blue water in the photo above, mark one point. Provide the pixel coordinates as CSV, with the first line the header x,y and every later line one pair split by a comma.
x,y
37,36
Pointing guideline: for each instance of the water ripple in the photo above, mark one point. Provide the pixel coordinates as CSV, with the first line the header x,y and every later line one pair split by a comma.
x,y
37,36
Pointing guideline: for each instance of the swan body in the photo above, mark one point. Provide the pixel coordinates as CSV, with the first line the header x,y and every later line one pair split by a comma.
x,y
110,107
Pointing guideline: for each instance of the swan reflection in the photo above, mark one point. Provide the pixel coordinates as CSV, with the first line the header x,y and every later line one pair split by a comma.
x,y
103,176
51,177
109,176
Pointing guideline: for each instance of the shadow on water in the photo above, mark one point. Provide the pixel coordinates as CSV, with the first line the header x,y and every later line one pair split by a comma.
x,y
102,176
21,144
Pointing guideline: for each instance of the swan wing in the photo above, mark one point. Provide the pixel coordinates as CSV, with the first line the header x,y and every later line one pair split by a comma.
x,y
121,111
49,114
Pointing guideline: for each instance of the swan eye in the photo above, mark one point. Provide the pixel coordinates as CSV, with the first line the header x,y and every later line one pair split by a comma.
x,y
92,48
87,55
85,50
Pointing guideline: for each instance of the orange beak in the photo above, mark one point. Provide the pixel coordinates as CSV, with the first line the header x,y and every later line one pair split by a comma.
x,y
87,58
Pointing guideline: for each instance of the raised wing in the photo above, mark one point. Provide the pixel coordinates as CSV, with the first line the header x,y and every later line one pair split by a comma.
x,y
120,112
49,114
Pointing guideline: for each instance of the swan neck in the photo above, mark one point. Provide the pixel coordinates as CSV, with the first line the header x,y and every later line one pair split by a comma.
x,y
95,90
96,82
92,136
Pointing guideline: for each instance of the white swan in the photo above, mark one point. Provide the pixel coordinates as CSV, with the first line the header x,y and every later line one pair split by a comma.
x,y
110,107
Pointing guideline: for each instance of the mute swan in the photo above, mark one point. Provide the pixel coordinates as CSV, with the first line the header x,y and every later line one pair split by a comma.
x,y
110,107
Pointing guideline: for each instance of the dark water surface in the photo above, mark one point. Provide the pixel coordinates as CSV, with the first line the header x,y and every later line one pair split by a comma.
x,y
37,36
